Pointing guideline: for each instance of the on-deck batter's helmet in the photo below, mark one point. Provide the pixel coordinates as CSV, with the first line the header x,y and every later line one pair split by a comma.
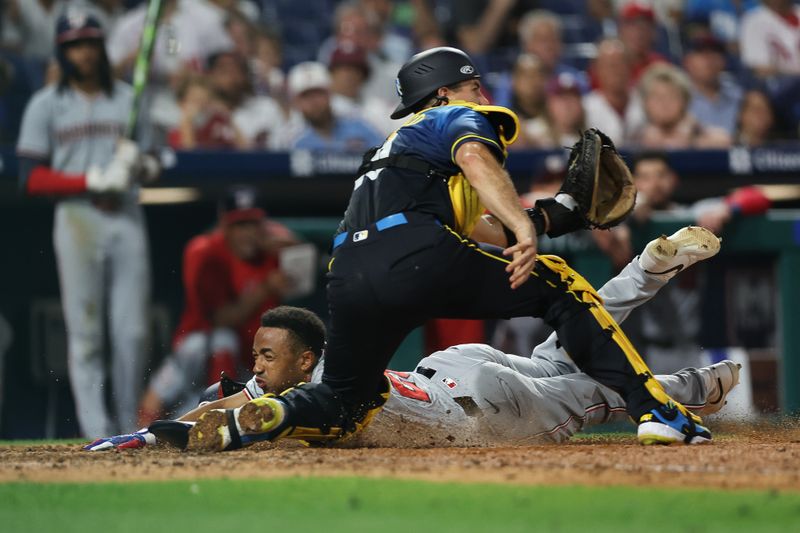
x,y
73,25
426,72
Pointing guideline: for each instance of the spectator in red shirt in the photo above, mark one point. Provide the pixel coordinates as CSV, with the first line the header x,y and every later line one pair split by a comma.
x,y
204,122
231,276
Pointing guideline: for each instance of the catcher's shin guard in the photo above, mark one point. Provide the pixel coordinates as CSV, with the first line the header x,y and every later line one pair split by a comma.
x,y
310,412
583,292
318,414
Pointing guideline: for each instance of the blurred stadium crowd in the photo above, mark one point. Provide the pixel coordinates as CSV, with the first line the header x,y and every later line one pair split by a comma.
x,y
319,74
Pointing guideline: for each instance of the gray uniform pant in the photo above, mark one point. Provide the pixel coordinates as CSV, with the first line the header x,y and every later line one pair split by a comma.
x,y
103,269
545,397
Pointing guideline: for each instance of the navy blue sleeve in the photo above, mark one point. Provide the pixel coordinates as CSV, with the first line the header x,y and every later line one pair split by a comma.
x,y
467,125
25,166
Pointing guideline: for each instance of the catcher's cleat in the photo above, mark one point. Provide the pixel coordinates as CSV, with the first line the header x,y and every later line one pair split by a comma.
x,y
665,256
230,429
720,379
666,424
210,433
260,415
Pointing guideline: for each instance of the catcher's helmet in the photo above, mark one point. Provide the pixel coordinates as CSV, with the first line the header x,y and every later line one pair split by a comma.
x,y
423,74
75,25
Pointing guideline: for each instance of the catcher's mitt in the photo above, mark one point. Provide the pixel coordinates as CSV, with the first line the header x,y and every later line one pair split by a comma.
x,y
599,181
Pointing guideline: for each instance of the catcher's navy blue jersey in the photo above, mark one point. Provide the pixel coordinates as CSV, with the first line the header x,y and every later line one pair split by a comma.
x,y
434,136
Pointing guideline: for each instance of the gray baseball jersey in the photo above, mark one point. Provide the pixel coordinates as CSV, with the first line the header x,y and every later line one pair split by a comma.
x,y
74,130
474,394
102,254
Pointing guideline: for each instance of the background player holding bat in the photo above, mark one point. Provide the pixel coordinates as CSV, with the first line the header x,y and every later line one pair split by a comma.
x,y
473,394
72,146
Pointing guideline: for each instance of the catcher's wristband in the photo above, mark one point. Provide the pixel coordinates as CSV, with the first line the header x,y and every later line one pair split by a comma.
x,y
562,220
539,224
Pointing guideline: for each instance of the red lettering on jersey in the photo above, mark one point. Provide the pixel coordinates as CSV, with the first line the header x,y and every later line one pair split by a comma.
x,y
406,388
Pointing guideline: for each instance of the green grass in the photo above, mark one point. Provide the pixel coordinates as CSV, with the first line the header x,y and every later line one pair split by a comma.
x,y
350,504
40,442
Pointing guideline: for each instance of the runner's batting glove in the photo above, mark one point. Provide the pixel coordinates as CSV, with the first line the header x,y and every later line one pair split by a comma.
x,y
140,439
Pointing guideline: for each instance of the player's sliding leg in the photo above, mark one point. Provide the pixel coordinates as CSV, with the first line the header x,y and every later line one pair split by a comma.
x,y
588,333
643,277
703,390
519,409
453,360
523,399
600,348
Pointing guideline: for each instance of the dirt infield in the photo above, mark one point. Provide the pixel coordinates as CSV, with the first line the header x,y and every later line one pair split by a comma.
x,y
745,459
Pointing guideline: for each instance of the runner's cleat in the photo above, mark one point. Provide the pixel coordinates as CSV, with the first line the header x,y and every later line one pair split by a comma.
x,y
665,256
720,379
260,415
231,429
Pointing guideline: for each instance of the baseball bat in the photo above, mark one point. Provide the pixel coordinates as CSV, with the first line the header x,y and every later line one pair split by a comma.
x,y
781,193
142,65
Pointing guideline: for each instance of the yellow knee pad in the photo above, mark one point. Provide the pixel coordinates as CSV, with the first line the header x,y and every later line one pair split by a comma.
x,y
309,435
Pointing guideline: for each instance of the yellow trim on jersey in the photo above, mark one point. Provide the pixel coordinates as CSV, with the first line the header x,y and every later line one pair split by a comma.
x,y
499,117
467,206
470,135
